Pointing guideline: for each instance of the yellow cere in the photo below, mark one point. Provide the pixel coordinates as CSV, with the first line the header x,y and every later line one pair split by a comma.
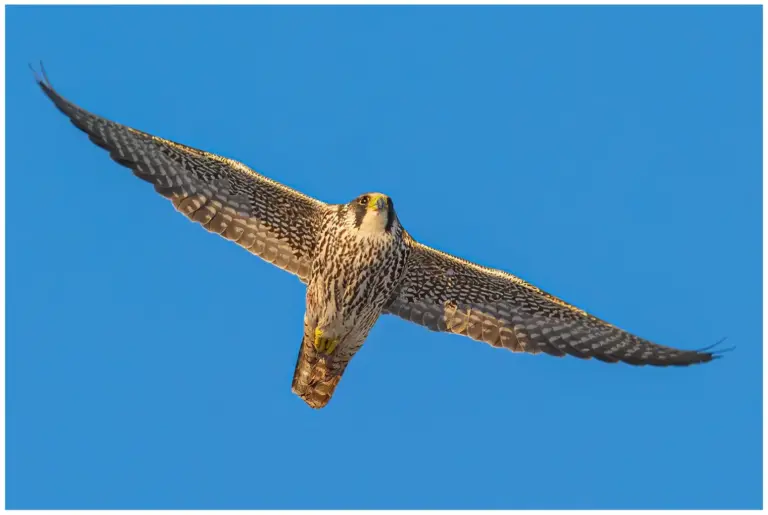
x,y
373,200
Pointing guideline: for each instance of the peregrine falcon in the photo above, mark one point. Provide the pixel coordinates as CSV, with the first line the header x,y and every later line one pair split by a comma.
x,y
358,262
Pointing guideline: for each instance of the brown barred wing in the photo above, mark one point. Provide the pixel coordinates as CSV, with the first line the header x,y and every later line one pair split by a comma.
x,y
226,197
448,294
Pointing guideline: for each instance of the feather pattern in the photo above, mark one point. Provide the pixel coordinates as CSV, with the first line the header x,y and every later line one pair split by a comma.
x,y
226,197
448,294
359,262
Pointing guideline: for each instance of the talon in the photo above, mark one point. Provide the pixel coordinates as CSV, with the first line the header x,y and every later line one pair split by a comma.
x,y
324,345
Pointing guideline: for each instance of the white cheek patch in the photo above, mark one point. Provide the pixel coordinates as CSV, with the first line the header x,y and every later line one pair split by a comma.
x,y
374,223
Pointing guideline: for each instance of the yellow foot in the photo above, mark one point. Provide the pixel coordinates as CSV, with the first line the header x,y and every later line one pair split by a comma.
x,y
324,345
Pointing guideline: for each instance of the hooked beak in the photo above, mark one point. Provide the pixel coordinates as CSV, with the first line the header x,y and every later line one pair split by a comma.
x,y
377,203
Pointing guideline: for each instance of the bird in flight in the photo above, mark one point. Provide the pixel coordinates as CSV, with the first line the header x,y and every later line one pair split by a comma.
x,y
358,262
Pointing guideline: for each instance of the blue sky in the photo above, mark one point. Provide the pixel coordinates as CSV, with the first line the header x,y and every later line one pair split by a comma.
x,y
611,156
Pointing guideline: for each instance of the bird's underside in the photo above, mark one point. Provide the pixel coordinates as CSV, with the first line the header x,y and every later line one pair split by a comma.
x,y
436,290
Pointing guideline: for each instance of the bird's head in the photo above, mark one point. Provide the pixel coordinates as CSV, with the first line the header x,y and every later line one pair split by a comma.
x,y
372,213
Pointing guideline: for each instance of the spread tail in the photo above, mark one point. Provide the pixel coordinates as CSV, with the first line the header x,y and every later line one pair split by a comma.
x,y
315,379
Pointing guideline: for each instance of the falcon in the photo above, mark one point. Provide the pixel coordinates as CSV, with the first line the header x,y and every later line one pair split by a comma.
x,y
358,262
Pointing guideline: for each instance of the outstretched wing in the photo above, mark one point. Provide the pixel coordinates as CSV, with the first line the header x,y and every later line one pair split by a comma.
x,y
224,196
445,293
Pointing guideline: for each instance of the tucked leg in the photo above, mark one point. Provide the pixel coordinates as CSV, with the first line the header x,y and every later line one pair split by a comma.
x,y
324,344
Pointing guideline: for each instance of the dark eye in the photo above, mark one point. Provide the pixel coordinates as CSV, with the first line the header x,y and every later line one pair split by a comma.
x,y
363,200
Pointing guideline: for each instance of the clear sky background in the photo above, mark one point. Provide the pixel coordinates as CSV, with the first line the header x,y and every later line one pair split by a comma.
x,y
611,156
